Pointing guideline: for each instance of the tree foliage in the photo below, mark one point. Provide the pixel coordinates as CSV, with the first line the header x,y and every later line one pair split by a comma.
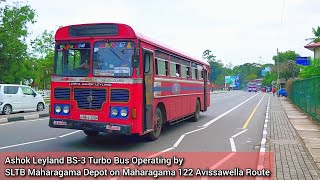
x,y
13,47
42,62
316,38
218,70
285,63
312,70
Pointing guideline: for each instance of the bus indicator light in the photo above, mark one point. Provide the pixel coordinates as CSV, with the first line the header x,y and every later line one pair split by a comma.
x,y
134,113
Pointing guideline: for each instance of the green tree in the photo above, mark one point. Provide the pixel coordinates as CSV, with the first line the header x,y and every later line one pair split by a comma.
x,y
268,78
316,38
312,70
207,55
42,62
285,56
285,64
216,67
247,72
13,47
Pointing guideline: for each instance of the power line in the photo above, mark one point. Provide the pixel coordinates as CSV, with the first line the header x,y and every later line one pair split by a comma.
x,y
282,15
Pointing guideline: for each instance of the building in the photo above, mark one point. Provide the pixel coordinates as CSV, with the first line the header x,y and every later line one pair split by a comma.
x,y
315,47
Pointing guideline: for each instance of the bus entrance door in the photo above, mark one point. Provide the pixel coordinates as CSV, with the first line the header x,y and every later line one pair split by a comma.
x,y
148,89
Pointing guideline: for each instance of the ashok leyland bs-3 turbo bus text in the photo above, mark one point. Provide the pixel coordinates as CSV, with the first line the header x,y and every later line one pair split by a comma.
x,y
109,78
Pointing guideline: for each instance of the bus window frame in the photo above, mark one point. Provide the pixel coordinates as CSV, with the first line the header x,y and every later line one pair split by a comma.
x,y
165,66
56,52
133,72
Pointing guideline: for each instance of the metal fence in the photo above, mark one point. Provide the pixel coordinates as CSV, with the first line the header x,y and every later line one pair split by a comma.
x,y
45,94
306,94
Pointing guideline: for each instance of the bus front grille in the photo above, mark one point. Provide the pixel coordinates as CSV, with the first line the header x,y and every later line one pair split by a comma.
x,y
119,95
62,93
90,98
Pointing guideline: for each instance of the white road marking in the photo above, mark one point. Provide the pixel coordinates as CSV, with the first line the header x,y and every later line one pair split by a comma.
x,y
42,140
222,115
264,140
178,141
32,142
161,152
190,132
14,122
233,145
6,123
215,166
69,133
239,133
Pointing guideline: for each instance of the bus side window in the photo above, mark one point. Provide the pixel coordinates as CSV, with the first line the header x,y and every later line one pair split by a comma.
x,y
147,62
173,70
161,67
188,72
166,67
178,73
193,73
183,71
156,63
200,74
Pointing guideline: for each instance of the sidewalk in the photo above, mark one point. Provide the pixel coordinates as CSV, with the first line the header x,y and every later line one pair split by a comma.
x,y
292,158
24,116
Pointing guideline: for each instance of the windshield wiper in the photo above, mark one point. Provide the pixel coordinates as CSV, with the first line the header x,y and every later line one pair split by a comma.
x,y
116,54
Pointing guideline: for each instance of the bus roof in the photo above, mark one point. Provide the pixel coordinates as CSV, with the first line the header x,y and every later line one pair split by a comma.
x,y
113,30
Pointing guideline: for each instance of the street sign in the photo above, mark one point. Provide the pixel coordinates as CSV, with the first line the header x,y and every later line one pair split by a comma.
x,y
303,61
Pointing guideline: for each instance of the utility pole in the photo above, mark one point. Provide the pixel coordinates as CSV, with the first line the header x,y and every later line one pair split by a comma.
x,y
278,59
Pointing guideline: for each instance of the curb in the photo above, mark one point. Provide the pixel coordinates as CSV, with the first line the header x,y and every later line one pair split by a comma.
x,y
218,92
22,118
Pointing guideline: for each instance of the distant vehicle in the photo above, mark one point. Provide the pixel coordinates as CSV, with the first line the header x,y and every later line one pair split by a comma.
x,y
15,98
282,92
252,87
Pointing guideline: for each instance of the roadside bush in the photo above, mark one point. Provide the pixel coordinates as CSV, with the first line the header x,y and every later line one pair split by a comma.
x,y
289,87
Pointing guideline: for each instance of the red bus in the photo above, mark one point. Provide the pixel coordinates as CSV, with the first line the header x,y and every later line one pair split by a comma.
x,y
109,78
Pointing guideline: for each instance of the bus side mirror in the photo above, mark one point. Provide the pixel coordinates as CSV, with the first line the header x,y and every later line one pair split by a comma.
x,y
135,60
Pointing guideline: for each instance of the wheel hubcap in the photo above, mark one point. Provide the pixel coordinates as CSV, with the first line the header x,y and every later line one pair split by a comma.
x,y
7,110
158,123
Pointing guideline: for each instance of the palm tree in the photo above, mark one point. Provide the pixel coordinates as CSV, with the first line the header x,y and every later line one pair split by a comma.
x,y
316,33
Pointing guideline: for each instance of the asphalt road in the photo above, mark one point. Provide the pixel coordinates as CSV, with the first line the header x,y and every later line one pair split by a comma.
x,y
235,115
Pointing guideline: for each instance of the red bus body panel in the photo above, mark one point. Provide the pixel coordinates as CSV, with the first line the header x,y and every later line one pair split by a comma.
x,y
176,105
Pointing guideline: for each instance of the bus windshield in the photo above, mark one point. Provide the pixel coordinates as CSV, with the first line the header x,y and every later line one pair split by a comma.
x,y
72,59
113,58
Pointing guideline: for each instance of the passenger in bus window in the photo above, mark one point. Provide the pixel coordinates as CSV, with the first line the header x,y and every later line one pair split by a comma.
x,y
177,70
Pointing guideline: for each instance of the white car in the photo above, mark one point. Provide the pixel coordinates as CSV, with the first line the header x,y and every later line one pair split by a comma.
x,y
16,98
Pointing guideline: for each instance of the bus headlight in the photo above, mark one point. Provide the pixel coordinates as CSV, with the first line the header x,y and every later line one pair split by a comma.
x,y
114,112
58,109
124,112
66,109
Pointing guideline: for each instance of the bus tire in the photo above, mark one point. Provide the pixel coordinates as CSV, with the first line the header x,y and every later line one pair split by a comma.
x,y
196,115
91,133
155,134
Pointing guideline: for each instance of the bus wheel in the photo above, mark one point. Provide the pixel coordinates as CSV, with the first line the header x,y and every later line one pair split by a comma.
x,y
91,133
196,116
155,134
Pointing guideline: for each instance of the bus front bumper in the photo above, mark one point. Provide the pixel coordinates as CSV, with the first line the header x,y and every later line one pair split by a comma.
x,y
90,126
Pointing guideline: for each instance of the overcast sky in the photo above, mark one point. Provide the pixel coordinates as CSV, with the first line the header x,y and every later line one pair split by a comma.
x,y
237,31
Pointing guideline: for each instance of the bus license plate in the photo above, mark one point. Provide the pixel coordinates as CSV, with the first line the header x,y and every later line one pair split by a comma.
x,y
88,117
